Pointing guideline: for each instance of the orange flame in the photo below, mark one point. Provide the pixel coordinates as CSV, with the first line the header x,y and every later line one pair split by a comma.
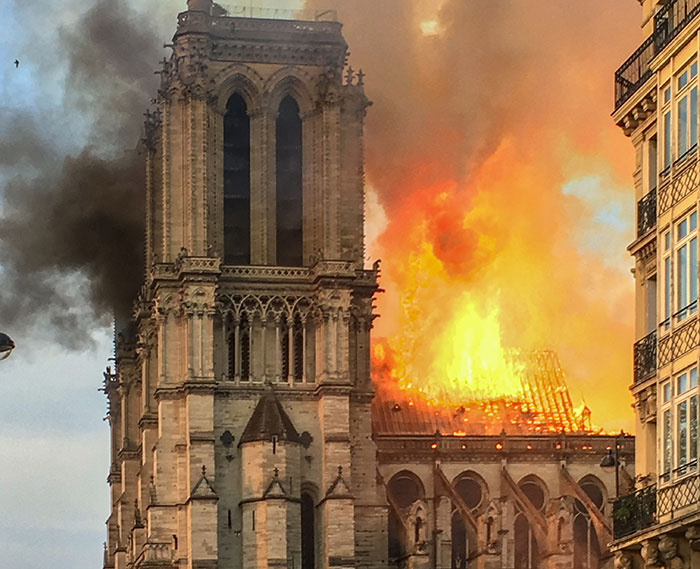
x,y
495,163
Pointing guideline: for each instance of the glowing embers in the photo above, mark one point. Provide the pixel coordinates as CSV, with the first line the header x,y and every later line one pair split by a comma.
x,y
541,404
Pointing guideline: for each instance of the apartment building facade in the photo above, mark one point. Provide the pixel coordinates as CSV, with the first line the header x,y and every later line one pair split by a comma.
x,y
656,105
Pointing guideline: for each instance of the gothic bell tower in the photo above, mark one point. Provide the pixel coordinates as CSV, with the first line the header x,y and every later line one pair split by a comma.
x,y
240,414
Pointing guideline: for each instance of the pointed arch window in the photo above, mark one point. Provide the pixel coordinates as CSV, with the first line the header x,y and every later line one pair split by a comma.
x,y
298,349
526,553
284,349
236,182
460,544
308,532
239,350
245,348
289,193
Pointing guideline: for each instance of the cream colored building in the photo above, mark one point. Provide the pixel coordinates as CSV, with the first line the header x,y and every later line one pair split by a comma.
x,y
656,105
245,431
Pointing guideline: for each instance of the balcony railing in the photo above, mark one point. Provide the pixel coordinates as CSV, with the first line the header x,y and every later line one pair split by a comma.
x,y
668,23
634,72
673,500
672,18
645,357
634,512
652,505
646,213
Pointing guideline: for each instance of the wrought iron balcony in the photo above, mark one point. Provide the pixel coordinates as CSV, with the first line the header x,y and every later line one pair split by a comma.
x,y
675,500
646,213
671,18
634,512
634,72
645,357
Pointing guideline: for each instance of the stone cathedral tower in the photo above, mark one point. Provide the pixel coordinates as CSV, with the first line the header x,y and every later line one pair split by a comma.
x,y
240,413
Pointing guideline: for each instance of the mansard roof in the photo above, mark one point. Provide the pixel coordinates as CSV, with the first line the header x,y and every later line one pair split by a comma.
x,y
269,419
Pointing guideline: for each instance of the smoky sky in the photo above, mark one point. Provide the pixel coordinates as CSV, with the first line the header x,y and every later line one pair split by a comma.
x,y
71,227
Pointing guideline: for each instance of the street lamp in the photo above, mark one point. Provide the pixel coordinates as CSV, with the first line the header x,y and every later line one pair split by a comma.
x,y
6,346
612,460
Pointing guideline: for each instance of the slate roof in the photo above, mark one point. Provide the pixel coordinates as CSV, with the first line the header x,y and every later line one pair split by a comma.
x,y
269,419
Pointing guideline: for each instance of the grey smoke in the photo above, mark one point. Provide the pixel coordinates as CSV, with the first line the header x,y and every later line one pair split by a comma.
x,y
71,225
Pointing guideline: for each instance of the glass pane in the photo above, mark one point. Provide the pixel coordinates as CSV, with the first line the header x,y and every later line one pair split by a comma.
x,y
693,116
667,392
682,229
667,94
693,276
667,140
667,442
693,221
667,288
682,384
693,69
694,427
682,433
683,80
667,240
694,377
682,277
682,126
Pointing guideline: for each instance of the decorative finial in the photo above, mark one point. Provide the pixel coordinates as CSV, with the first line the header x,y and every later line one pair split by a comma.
x,y
349,75
340,471
277,472
204,470
360,78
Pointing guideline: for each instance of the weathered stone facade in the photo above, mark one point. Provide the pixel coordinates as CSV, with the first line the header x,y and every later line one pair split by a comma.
x,y
240,410
188,489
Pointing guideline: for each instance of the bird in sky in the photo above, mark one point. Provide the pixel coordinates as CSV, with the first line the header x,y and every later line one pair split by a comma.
x,y
16,63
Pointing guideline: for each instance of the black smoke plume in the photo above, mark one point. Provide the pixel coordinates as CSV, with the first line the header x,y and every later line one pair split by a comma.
x,y
71,226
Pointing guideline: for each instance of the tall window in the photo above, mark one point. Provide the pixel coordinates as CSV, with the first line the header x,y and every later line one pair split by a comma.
x,y
244,348
308,532
680,424
284,349
404,489
686,405
526,552
471,493
460,542
686,254
236,182
687,109
652,158
289,204
667,128
666,275
298,348
586,546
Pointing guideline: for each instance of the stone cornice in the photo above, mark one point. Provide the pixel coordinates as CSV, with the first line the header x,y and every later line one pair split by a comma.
x,y
294,42
185,388
148,421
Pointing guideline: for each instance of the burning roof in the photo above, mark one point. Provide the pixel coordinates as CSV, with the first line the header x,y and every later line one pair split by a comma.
x,y
543,404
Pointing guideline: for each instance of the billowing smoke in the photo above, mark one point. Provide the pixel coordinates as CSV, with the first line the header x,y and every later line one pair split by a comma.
x,y
71,233
490,137
505,186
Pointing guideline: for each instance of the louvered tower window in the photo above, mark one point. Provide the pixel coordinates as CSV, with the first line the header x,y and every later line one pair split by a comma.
x,y
236,182
289,199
